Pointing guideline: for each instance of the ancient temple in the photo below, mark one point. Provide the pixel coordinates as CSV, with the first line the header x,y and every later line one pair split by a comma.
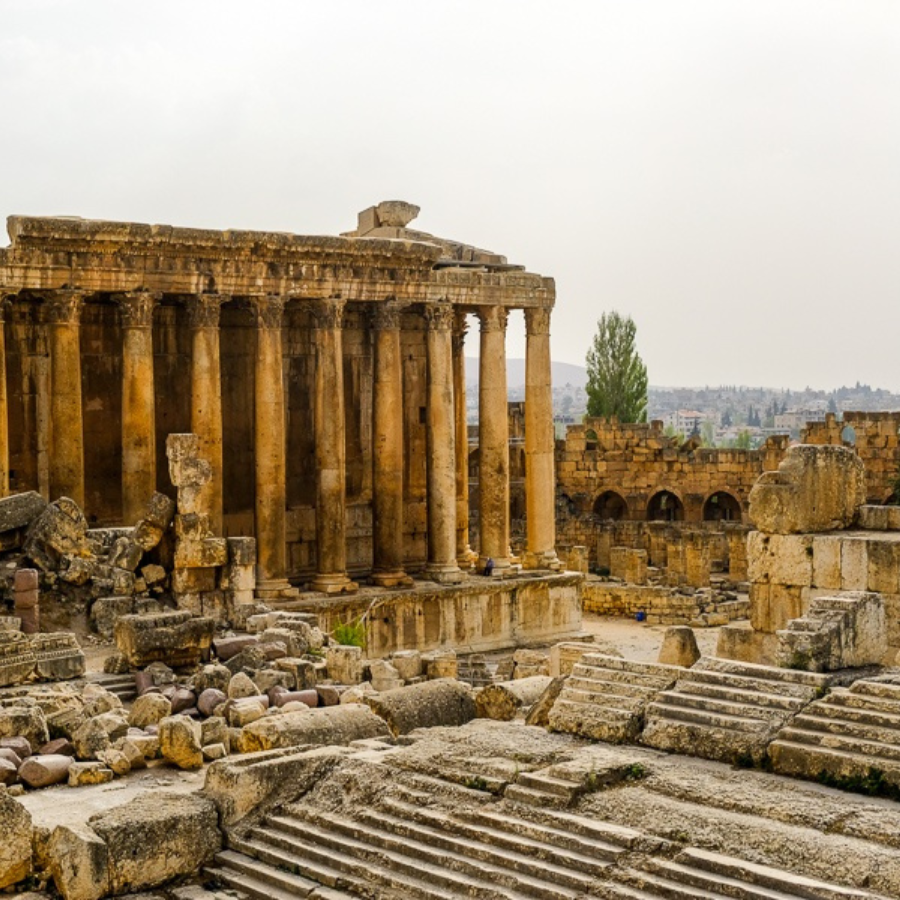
x,y
324,376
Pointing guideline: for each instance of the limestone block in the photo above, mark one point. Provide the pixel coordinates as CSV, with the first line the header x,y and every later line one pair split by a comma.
x,y
565,655
244,711
156,838
149,709
301,671
384,676
58,656
337,725
185,467
17,660
212,676
60,530
125,554
193,581
20,510
344,663
679,647
79,862
874,518
214,730
539,714
816,488
98,700
241,685
780,558
15,848
159,512
441,664
153,574
97,734
179,742
106,611
357,694
25,722
827,562
207,552
883,567
294,642
407,663
854,564
82,773
772,606
503,700
174,638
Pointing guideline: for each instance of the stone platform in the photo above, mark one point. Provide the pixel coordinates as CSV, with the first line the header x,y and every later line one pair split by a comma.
x,y
479,615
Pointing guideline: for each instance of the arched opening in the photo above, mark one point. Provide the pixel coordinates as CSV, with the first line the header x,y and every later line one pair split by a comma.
x,y
848,435
590,439
665,507
722,507
610,505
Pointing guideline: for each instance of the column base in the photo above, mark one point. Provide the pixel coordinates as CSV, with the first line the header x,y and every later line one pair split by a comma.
x,y
335,583
443,573
544,559
467,559
502,566
393,578
275,589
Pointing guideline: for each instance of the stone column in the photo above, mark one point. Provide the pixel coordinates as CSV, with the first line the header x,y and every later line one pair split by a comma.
x,y
269,450
331,550
493,440
441,446
63,318
206,395
387,456
138,404
540,478
464,555
4,403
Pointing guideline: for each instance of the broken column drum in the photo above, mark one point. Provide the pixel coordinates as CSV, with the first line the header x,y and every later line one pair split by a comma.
x,y
323,376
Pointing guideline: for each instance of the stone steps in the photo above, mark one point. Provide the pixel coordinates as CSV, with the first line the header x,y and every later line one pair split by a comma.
x,y
364,850
847,734
605,697
123,686
695,718
259,881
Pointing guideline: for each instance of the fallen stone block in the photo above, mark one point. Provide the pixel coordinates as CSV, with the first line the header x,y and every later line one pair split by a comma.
x,y
176,638
58,657
679,647
15,846
26,723
79,862
345,663
17,659
338,725
503,700
539,714
60,530
179,742
20,510
149,709
43,771
441,664
425,705
82,773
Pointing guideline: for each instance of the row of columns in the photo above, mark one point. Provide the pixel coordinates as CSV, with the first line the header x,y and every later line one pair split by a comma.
x,y
446,430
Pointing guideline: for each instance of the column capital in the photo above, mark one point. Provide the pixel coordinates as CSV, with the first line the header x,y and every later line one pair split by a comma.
x,y
203,310
63,307
386,315
493,318
269,310
537,320
136,308
327,313
439,316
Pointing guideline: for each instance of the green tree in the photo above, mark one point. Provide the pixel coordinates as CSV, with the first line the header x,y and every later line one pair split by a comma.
x,y
617,377
742,441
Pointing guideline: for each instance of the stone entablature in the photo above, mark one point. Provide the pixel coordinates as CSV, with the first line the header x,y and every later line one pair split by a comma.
x,y
330,429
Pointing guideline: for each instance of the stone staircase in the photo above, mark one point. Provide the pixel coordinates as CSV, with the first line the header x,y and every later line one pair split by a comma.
x,y
123,686
727,710
407,845
848,736
605,697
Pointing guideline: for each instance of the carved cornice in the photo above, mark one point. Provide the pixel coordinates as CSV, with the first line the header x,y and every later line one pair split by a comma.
x,y
386,316
327,313
537,321
492,318
269,311
63,307
439,316
203,310
136,308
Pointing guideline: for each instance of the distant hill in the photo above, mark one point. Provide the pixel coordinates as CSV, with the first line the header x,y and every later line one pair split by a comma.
x,y
562,373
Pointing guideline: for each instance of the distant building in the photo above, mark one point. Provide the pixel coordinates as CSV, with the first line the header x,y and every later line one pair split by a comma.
x,y
684,421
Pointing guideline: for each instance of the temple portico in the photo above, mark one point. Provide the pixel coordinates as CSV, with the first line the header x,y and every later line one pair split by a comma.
x,y
324,377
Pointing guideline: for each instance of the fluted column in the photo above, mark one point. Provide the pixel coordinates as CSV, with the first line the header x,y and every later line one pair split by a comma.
x,y
539,444
138,403
464,555
493,440
4,402
331,454
441,446
62,310
387,456
269,450
206,395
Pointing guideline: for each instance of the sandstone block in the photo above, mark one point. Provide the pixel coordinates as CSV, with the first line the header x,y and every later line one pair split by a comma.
x,y
827,562
301,671
344,663
193,581
159,511
125,554
20,510
26,723
153,574
214,731
179,742
780,558
384,676
175,638
440,664
203,554
408,664
79,862
149,709
82,773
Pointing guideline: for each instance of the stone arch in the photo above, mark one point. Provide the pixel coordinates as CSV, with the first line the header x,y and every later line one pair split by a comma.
x,y
665,506
590,439
722,507
610,505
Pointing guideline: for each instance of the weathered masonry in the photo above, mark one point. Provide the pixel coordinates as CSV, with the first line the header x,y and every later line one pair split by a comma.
x,y
324,376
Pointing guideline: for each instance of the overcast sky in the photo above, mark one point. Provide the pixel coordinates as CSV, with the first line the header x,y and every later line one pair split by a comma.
x,y
727,173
